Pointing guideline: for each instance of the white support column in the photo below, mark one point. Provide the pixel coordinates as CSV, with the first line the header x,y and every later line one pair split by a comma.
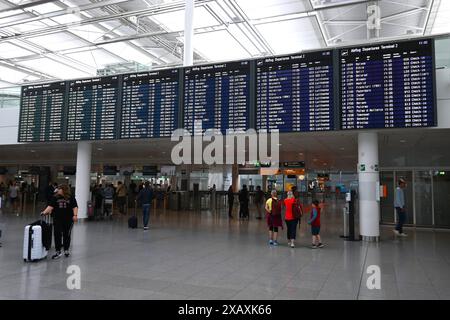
x,y
368,177
188,57
83,177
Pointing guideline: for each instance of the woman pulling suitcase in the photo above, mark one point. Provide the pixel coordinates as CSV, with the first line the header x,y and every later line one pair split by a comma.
x,y
64,210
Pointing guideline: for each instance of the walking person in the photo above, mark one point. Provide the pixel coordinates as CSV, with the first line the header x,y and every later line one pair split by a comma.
x,y
14,196
314,221
292,217
273,217
145,196
259,202
400,208
121,196
64,209
243,203
230,195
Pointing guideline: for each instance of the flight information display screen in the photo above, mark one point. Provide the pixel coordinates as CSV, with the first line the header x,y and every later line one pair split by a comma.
x,y
295,93
217,96
41,112
387,85
92,108
150,104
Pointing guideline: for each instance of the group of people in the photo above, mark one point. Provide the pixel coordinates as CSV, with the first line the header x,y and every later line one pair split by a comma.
x,y
273,208
16,194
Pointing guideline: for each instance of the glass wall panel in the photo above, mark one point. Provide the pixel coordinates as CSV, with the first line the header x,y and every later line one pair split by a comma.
x,y
423,198
387,203
441,190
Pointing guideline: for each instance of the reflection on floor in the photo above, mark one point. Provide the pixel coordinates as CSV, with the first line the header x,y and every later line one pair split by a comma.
x,y
192,255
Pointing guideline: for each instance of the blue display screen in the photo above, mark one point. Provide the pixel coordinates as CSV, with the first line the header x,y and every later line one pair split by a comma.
x,y
41,113
150,104
387,85
92,108
295,93
217,96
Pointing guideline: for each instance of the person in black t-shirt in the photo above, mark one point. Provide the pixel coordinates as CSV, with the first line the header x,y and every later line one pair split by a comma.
x,y
64,209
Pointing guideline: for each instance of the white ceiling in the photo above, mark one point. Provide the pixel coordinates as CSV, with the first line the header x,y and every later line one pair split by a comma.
x,y
45,40
321,151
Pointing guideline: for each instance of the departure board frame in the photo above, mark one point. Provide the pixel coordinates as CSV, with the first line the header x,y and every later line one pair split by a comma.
x,y
117,107
286,60
146,76
230,64
25,126
402,44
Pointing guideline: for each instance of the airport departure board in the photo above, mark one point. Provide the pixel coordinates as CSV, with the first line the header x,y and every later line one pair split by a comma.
x,y
41,113
92,108
387,85
150,104
295,93
218,96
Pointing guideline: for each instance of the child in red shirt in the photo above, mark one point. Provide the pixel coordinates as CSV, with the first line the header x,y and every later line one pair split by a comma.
x,y
314,221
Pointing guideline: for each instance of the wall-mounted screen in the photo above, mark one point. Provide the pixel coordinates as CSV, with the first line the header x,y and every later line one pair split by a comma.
x,y
217,96
388,85
150,104
41,112
295,93
92,108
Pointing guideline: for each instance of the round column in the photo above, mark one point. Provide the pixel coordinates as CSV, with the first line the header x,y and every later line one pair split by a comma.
x,y
83,177
368,177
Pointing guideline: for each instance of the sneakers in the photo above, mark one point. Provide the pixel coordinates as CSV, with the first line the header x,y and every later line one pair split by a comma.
x,y
145,228
270,242
57,255
313,246
396,232
275,243
320,245
403,234
292,245
66,253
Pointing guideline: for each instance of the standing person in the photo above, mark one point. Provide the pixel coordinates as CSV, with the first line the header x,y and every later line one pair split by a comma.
x,y
292,216
314,221
230,195
108,195
13,196
145,196
259,201
49,192
273,217
121,196
400,208
64,210
243,203
98,200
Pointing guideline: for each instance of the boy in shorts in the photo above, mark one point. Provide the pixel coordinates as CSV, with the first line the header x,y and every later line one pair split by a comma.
x,y
314,221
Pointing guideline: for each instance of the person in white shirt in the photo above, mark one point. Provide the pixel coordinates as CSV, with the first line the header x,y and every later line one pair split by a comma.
x,y
400,207
14,196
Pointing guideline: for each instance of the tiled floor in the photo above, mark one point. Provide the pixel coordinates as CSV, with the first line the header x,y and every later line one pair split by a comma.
x,y
188,255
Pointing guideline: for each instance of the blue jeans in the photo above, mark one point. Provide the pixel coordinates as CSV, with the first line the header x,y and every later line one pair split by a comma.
x,y
146,214
401,218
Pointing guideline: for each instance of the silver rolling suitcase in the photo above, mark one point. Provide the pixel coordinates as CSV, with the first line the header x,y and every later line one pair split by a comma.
x,y
37,240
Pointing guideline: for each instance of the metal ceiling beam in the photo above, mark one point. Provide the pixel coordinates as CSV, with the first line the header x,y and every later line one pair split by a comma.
x,y
63,12
157,9
26,5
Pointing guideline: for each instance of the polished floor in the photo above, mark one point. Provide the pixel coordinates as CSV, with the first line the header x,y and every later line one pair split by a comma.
x,y
193,255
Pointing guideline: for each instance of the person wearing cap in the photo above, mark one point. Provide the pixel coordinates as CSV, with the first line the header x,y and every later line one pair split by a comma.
x,y
400,208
